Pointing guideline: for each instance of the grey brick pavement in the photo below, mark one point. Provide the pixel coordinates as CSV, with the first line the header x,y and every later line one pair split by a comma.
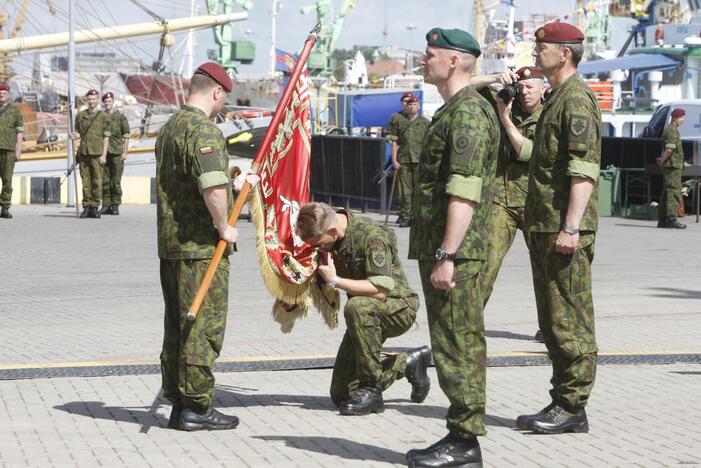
x,y
87,290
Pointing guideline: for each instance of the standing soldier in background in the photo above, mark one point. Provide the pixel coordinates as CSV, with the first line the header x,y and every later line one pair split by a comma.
x,y
672,163
448,238
561,217
406,157
360,257
194,199
11,132
92,127
519,116
116,155
397,122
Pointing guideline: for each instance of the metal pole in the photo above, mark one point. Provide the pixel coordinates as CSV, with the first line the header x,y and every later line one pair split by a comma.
x,y
70,186
273,18
190,44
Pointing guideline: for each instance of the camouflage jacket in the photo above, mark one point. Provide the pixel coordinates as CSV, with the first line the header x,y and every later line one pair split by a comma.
x,y
458,158
395,126
567,143
10,125
119,130
190,157
91,144
511,182
672,140
369,251
410,140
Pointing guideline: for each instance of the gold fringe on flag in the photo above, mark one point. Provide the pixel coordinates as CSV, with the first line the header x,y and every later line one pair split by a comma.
x,y
292,300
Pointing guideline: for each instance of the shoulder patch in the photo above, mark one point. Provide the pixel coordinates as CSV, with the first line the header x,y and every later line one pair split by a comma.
x,y
461,144
378,258
579,125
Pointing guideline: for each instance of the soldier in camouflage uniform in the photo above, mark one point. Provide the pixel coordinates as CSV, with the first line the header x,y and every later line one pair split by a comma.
x,y
93,129
518,119
116,155
406,158
194,196
396,125
11,132
448,238
672,162
561,216
360,257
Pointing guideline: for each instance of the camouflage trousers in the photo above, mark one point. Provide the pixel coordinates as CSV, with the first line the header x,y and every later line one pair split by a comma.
x,y
369,323
502,224
456,326
7,168
566,316
671,195
91,178
190,348
112,180
407,180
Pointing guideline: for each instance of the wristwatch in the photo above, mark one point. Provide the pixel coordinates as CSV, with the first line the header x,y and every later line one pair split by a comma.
x,y
570,230
334,282
443,255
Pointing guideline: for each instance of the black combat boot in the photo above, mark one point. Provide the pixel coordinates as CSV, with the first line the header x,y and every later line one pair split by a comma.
x,y
405,222
400,220
5,213
417,362
86,212
93,213
174,416
105,210
539,336
451,450
115,210
209,420
558,420
524,421
662,223
675,224
363,401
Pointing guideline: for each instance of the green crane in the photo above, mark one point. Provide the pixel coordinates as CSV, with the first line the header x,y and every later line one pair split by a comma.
x,y
319,61
231,52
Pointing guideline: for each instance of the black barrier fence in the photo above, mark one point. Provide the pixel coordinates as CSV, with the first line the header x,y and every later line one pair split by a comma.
x,y
344,171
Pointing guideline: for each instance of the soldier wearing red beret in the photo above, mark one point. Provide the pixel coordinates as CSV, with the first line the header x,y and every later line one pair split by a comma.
x,y
11,133
561,217
116,155
672,163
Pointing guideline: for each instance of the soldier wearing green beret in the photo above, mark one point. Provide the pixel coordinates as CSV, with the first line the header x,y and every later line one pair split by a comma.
x,y
92,127
561,217
11,132
360,257
448,238
116,155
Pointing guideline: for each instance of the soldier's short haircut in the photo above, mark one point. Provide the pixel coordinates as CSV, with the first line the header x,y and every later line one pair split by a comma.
x,y
201,83
577,51
467,62
314,219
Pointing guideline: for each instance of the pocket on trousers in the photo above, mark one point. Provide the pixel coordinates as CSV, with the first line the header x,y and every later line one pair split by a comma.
x,y
465,297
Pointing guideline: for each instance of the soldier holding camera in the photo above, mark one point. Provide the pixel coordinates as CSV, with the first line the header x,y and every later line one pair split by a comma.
x,y
518,106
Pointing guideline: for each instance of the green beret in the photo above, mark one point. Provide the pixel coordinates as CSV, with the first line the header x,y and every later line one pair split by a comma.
x,y
455,39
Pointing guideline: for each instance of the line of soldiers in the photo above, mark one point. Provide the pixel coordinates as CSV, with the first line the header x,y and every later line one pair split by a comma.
x,y
104,141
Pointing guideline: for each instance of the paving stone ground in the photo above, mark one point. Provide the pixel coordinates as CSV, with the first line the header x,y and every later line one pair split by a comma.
x,y
73,291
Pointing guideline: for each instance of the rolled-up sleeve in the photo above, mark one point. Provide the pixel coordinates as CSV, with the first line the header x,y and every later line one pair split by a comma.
x,y
467,187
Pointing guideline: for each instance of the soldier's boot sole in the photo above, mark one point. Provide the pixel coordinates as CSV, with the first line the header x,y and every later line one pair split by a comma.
x,y
412,464
191,427
364,412
581,427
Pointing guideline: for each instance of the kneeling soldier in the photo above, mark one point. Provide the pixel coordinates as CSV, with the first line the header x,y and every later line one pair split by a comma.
x,y
360,257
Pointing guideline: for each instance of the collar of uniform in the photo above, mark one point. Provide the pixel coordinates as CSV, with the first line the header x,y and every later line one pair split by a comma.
x,y
190,108
347,242
567,84
92,111
531,118
454,98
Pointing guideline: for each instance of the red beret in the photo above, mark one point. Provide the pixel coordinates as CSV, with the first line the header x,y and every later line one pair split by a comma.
x,y
413,98
108,94
559,33
525,73
217,73
4,87
678,113
92,92
407,96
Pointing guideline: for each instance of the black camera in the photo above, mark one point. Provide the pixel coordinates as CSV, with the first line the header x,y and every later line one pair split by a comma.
x,y
508,92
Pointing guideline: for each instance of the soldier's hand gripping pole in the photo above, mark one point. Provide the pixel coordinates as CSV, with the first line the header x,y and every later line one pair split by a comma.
x,y
263,149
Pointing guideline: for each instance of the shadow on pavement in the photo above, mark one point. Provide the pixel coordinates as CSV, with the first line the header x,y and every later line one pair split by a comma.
x,y
438,412
676,293
506,334
141,415
686,372
227,397
346,449
637,225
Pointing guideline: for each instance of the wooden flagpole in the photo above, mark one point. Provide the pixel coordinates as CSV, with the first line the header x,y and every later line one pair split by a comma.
x,y
262,149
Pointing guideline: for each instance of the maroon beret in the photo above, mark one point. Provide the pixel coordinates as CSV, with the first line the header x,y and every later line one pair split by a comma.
x,y
407,95
678,112
217,73
4,87
108,94
525,73
92,92
413,98
559,33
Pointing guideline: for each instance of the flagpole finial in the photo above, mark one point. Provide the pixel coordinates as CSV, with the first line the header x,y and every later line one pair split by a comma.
x,y
316,29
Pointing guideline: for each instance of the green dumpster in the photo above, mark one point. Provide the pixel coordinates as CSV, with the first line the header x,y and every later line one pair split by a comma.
x,y
610,191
